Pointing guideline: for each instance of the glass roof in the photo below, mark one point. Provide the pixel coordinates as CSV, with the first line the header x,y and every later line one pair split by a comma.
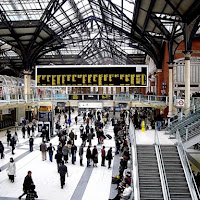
x,y
107,27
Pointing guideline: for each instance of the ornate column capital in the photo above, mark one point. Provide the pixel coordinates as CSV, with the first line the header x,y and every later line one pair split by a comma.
x,y
170,65
187,54
25,72
159,70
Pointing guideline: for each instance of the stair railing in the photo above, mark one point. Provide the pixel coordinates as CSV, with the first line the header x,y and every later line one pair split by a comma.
x,y
136,186
161,166
187,169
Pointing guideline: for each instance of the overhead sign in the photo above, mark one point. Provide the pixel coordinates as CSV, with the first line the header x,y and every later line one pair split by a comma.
x,y
105,97
61,104
45,116
90,105
75,97
96,75
180,102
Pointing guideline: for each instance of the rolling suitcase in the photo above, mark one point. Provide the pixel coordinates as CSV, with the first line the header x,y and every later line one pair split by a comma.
x,y
108,136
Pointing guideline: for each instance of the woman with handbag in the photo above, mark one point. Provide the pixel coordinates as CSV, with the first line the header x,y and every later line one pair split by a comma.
x,y
11,170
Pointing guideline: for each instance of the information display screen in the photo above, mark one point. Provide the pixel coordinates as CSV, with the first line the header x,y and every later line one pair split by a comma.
x,y
127,75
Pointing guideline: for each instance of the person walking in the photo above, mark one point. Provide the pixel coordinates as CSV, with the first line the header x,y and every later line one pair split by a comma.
x,y
69,121
33,130
8,134
65,152
50,149
27,184
58,158
23,131
43,149
28,131
1,150
103,156
109,157
62,172
31,141
12,144
81,154
16,138
31,194
95,156
11,170
88,156
84,138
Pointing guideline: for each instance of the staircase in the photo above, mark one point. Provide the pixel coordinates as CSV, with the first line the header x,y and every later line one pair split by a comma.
x,y
149,176
177,183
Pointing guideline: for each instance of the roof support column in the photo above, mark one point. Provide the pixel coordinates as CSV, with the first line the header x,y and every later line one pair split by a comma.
x,y
187,81
170,93
159,82
27,84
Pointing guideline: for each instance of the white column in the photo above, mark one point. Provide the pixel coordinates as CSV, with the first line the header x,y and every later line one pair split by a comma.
x,y
170,93
187,81
27,82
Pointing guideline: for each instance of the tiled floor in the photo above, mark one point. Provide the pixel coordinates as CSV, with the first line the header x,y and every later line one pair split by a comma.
x,y
82,183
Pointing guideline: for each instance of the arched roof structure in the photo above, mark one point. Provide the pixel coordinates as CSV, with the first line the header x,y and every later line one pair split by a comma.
x,y
93,31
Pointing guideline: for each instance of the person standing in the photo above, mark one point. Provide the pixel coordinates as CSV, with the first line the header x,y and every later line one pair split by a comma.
x,y
11,170
71,135
69,121
103,156
27,184
73,152
109,157
62,172
33,130
88,156
50,149
76,120
81,128
81,154
28,131
23,131
1,150
43,149
95,156
90,135
31,141
84,137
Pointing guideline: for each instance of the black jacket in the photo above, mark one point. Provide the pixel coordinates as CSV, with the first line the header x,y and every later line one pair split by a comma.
x,y
27,183
62,170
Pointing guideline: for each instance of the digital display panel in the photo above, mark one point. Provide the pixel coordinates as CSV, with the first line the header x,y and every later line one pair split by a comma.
x,y
84,75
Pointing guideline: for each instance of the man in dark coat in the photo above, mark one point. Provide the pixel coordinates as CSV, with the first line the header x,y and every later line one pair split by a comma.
x,y
27,184
1,149
88,156
23,131
109,157
62,171
81,154
31,140
28,131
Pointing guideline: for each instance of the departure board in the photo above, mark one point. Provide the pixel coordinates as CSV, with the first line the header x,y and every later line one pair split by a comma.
x,y
84,75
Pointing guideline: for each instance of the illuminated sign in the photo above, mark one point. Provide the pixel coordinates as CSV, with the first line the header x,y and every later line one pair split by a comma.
x,y
85,75
105,97
75,97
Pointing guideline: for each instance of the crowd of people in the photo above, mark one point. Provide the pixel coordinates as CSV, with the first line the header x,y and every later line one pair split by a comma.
x,y
67,150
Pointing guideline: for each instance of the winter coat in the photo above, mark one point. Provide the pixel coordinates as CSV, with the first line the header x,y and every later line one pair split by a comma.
x,y
109,155
65,150
43,147
11,168
88,154
1,148
62,170
27,183
80,151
